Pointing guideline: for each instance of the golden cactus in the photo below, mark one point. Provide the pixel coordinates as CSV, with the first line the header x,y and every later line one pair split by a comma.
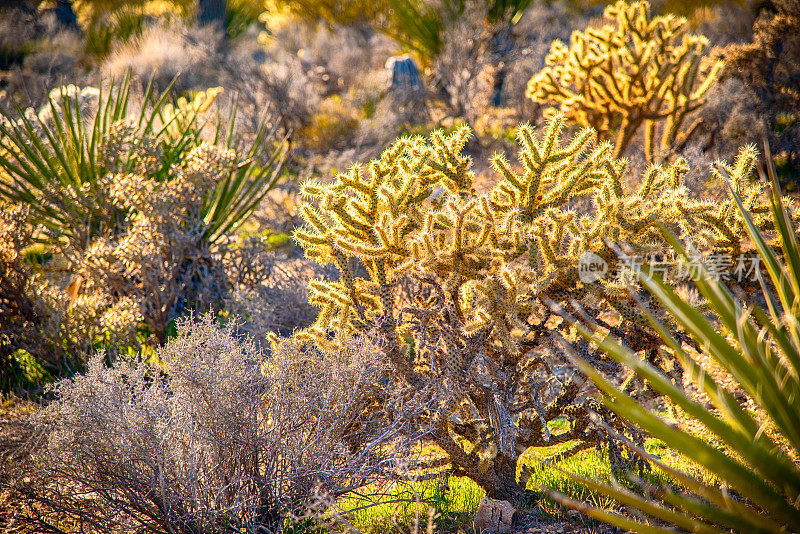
x,y
455,284
636,72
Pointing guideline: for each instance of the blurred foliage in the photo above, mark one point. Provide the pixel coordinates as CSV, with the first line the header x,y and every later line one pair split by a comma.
x,y
332,125
242,14
117,26
21,370
417,25
91,12
636,72
332,12
770,66
106,22
687,8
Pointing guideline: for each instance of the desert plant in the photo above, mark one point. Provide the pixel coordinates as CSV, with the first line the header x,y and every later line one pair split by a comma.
x,y
751,448
51,160
117,25
636,72
330,127
220,438
419,25
453,282
270,289
45,330
19,313
136,207
770,67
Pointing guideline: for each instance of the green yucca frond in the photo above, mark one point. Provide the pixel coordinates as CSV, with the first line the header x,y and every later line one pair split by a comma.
x,y
418,25
52,161
759,347
238,195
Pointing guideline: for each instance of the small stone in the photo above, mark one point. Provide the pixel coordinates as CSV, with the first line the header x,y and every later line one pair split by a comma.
x,y
404,74
495,517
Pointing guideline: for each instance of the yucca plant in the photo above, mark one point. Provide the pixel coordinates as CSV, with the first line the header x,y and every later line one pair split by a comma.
x,y
419,25
52,161
756,459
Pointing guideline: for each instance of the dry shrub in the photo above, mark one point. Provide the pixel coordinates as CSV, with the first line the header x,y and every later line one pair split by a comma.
x,y
223,437
468,63
18,311
160,208
42,330
541,24
52,56
285,83
302,63
161,263
332,126
18,26
770,67
731,118
271,289
164,51
346,53
723,22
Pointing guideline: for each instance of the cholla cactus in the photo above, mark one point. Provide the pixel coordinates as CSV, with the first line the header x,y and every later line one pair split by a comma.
x,y
455,283
635,72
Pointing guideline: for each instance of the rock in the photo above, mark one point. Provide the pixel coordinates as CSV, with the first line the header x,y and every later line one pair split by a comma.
x,y
404,74
212,12
495,517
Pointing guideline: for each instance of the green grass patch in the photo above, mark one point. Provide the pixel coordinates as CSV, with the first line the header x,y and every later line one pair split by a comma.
x,y
454,500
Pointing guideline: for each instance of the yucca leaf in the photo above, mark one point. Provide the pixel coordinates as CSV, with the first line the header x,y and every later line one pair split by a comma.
x,y
611,518
753,367
735,473
715,515
647,506
762,457
763,358
755,446
712,494
720,397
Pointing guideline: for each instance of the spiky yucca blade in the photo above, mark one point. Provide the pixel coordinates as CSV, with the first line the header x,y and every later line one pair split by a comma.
x,y
761,352
238,194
